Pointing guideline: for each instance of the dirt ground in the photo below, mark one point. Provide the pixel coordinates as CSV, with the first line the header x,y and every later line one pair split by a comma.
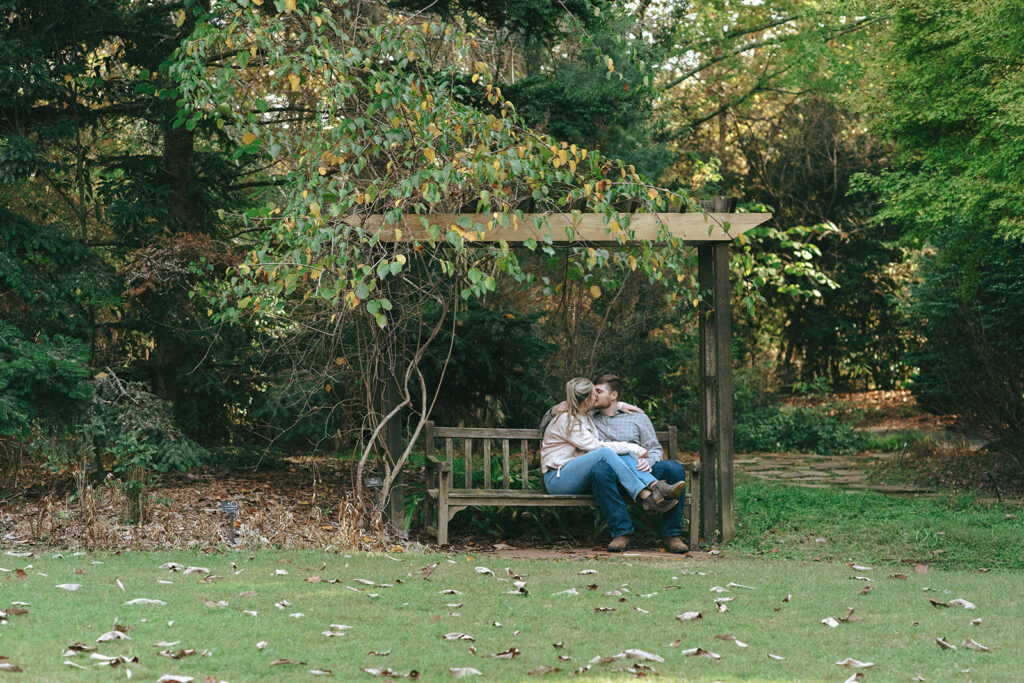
x,y
309,503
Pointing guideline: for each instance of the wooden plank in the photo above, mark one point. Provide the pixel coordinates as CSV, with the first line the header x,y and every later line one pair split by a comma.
x,y
695,228
524,453
706,364
491,433
506,479
487,463
449,452
467,453
723,373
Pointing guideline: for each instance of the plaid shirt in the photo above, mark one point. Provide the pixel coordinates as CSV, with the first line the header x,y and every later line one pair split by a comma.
x,y
631,428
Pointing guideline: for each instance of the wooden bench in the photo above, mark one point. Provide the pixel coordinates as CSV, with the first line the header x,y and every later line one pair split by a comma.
x,y
518,455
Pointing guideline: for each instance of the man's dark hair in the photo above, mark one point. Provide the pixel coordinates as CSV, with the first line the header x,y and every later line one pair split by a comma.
x,y
613,382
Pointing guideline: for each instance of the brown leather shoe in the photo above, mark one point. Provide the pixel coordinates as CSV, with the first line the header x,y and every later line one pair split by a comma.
x,y
618,544
674,544
654,503
662,489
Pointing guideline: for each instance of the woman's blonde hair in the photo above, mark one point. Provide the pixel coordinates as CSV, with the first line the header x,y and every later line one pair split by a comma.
x,y
577,390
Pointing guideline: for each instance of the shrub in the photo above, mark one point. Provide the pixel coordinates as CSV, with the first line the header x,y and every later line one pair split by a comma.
x,y
795,428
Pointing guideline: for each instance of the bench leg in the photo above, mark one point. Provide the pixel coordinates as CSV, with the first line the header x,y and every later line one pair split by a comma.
x,y
694,495
442,521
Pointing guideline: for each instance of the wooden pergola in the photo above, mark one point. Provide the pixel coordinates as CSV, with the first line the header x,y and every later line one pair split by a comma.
x,y
711,233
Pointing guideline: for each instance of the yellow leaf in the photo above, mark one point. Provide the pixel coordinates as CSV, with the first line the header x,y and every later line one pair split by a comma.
x,y
652,193
595,291
248,137
322,170
587,189
377,89
401,257
294,80
430,154
398,233
411,55
434,130
611,63
180,18
351,299
314,208
696,303
340,360
632,262
497,165
289,5
476,77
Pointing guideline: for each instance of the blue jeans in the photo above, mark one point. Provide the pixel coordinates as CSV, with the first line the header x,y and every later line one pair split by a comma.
x,y
605,486
575,475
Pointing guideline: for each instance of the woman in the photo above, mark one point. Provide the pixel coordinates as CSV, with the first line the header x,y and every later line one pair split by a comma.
x,y
570,449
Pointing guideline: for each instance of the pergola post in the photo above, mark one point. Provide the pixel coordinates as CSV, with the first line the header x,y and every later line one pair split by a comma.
x,y
715,370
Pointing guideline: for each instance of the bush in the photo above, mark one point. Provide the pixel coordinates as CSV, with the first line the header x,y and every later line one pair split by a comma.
x,y
795,428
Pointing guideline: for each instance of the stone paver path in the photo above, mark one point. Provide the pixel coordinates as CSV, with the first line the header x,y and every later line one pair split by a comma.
x,y
819,471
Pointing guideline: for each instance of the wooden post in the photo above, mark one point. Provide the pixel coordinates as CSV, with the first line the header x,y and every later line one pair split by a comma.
x,y
708,390
395,446
723,374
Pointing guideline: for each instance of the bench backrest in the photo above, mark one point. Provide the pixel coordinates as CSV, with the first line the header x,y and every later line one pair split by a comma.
x,y
484,449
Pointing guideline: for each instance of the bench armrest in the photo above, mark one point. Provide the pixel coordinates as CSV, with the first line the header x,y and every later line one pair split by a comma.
x,y
442,465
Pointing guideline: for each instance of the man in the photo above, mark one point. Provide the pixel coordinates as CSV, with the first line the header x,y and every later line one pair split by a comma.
x,y
615,424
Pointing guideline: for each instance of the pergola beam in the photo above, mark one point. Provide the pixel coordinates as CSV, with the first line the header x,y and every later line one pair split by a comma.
x,y
590,228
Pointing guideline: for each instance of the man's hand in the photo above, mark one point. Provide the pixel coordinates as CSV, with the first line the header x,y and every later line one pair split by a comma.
x,y
629,408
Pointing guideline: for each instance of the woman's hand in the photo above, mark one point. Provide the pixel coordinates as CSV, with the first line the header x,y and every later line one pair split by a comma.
x,y
643,463
629,408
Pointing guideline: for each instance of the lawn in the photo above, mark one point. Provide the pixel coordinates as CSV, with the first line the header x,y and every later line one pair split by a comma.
x,y
387,612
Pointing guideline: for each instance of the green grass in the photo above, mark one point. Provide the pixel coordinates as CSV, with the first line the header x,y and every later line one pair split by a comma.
x,y
953,531
409,619
890,442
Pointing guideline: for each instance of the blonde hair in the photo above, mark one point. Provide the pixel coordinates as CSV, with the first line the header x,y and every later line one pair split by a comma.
x,y
577,390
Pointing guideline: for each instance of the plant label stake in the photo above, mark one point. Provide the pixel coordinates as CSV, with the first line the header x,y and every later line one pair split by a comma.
x,y
230,509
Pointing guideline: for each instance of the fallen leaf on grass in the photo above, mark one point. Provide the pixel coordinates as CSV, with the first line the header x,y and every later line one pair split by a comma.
x,y
960,602
568,591
860,568
739,585
972,644
860,578
604,609
689,616
588,571
280,572
382,672
829,621
976,622
145,601
77,666
719,589
458,636
5,665
700,652
314,579
936,603
276,662
461,671
483,570
641,655
591,586
450,591
849,616
379,654
321,672
789,596
174,678
902,577
920,568
521,590
864,591
854,677
69,586
855,664
775,657
429,569
366,582
76,648
216,604
542,670
945,645
507,654
729,636
113,635
172,566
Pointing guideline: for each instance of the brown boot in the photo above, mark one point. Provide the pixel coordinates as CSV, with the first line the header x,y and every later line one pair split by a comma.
x,y
674,544
655,503
662,489
618,544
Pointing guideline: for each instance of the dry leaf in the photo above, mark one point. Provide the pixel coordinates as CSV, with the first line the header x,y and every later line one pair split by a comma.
x,y
321,672
379,654
314,579
461,671
120,586
855,664
700,652
729,636
69,586
861,578
971,644
174,678
936,603
198,570
216,604
849,616
864,591
775,657
5,665
976,622
542,670
286,661
260,645
854,677
898,576
945,645
569,591
507,654
719,589
860,568
604,609
429,569
458,636
920,568
113,635
584,572
960,602
829,621
641,655
738,585
689,616
145,601
789,596
450,591
484,570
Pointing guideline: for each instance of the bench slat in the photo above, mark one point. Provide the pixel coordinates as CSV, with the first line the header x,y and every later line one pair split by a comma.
x,y
486,432
523,455
505,478
467,453
487,463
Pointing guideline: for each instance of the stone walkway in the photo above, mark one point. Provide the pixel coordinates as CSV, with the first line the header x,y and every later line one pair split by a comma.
x,y
819,471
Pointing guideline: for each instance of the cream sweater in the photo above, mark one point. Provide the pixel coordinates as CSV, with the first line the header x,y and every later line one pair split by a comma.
x,y
561,444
